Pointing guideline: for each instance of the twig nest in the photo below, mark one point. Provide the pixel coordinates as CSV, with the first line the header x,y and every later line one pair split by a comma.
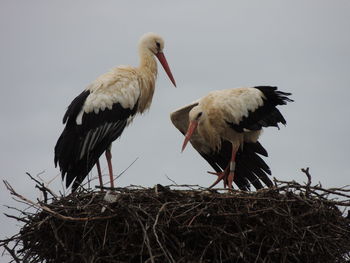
x,y
287,223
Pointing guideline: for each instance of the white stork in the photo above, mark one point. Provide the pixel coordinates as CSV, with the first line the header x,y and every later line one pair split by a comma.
x,y
98,116
224,128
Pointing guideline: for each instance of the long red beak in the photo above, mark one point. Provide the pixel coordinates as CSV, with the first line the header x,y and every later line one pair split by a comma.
x,y
162,60
191,128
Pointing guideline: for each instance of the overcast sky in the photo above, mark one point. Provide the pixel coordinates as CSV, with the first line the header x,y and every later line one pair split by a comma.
x,y
50,51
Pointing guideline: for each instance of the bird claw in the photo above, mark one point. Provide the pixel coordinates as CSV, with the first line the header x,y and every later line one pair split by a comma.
x,y
226,176
218,174
221,176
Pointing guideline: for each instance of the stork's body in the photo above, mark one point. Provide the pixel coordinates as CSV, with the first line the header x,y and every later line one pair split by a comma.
x,y
224,127
100,113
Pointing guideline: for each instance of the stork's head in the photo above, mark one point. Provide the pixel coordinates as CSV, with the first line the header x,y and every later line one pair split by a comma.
x,y
152,42
196,114
195,117
155,44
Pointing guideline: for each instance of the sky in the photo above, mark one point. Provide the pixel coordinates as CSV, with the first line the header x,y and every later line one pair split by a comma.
x,y
51,50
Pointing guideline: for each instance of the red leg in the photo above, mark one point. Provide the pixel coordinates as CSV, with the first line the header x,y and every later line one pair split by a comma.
x,y
232,166
99,173
109,158
228,174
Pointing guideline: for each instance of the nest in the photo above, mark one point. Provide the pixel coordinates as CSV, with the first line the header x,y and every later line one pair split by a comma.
x,y
289,222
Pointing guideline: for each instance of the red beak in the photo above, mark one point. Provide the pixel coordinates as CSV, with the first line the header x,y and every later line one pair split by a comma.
x,y
162,60
191,128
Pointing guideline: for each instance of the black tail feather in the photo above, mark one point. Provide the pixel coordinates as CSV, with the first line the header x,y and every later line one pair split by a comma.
x,y
250,167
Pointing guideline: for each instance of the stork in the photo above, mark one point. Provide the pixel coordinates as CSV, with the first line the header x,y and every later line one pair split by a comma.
x,y
98,116
224,127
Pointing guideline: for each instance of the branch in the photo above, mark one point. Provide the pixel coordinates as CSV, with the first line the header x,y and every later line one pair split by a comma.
x,y
50,211
41,186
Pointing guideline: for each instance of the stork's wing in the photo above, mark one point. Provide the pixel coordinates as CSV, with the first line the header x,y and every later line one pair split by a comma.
x,y
250,167
93,120
263,114
180,117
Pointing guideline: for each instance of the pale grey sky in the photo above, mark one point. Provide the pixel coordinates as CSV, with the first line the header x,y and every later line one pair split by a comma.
x,y
50,51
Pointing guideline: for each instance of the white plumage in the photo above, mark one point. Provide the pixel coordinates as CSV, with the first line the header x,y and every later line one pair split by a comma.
x,y
224,127
100,113
117,86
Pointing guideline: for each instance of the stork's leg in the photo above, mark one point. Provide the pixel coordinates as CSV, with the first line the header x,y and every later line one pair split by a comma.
x,y
110,170
228,174
99,173
232,166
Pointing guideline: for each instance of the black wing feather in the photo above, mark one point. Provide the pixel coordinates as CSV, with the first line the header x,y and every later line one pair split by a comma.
x,y
250,167
72,112
96,132
267,114
75,107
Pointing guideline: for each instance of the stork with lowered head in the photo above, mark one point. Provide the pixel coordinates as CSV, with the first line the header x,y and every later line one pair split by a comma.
x,y
224,127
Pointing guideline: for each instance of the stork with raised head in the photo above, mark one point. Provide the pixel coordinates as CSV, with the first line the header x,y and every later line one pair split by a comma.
x,y
224,127
98,116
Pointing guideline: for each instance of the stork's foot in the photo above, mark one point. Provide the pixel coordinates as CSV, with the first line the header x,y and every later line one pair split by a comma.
x,y
227,176
221,176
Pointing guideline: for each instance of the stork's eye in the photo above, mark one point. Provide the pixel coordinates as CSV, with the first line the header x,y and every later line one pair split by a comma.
x,y
158,44
199,115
